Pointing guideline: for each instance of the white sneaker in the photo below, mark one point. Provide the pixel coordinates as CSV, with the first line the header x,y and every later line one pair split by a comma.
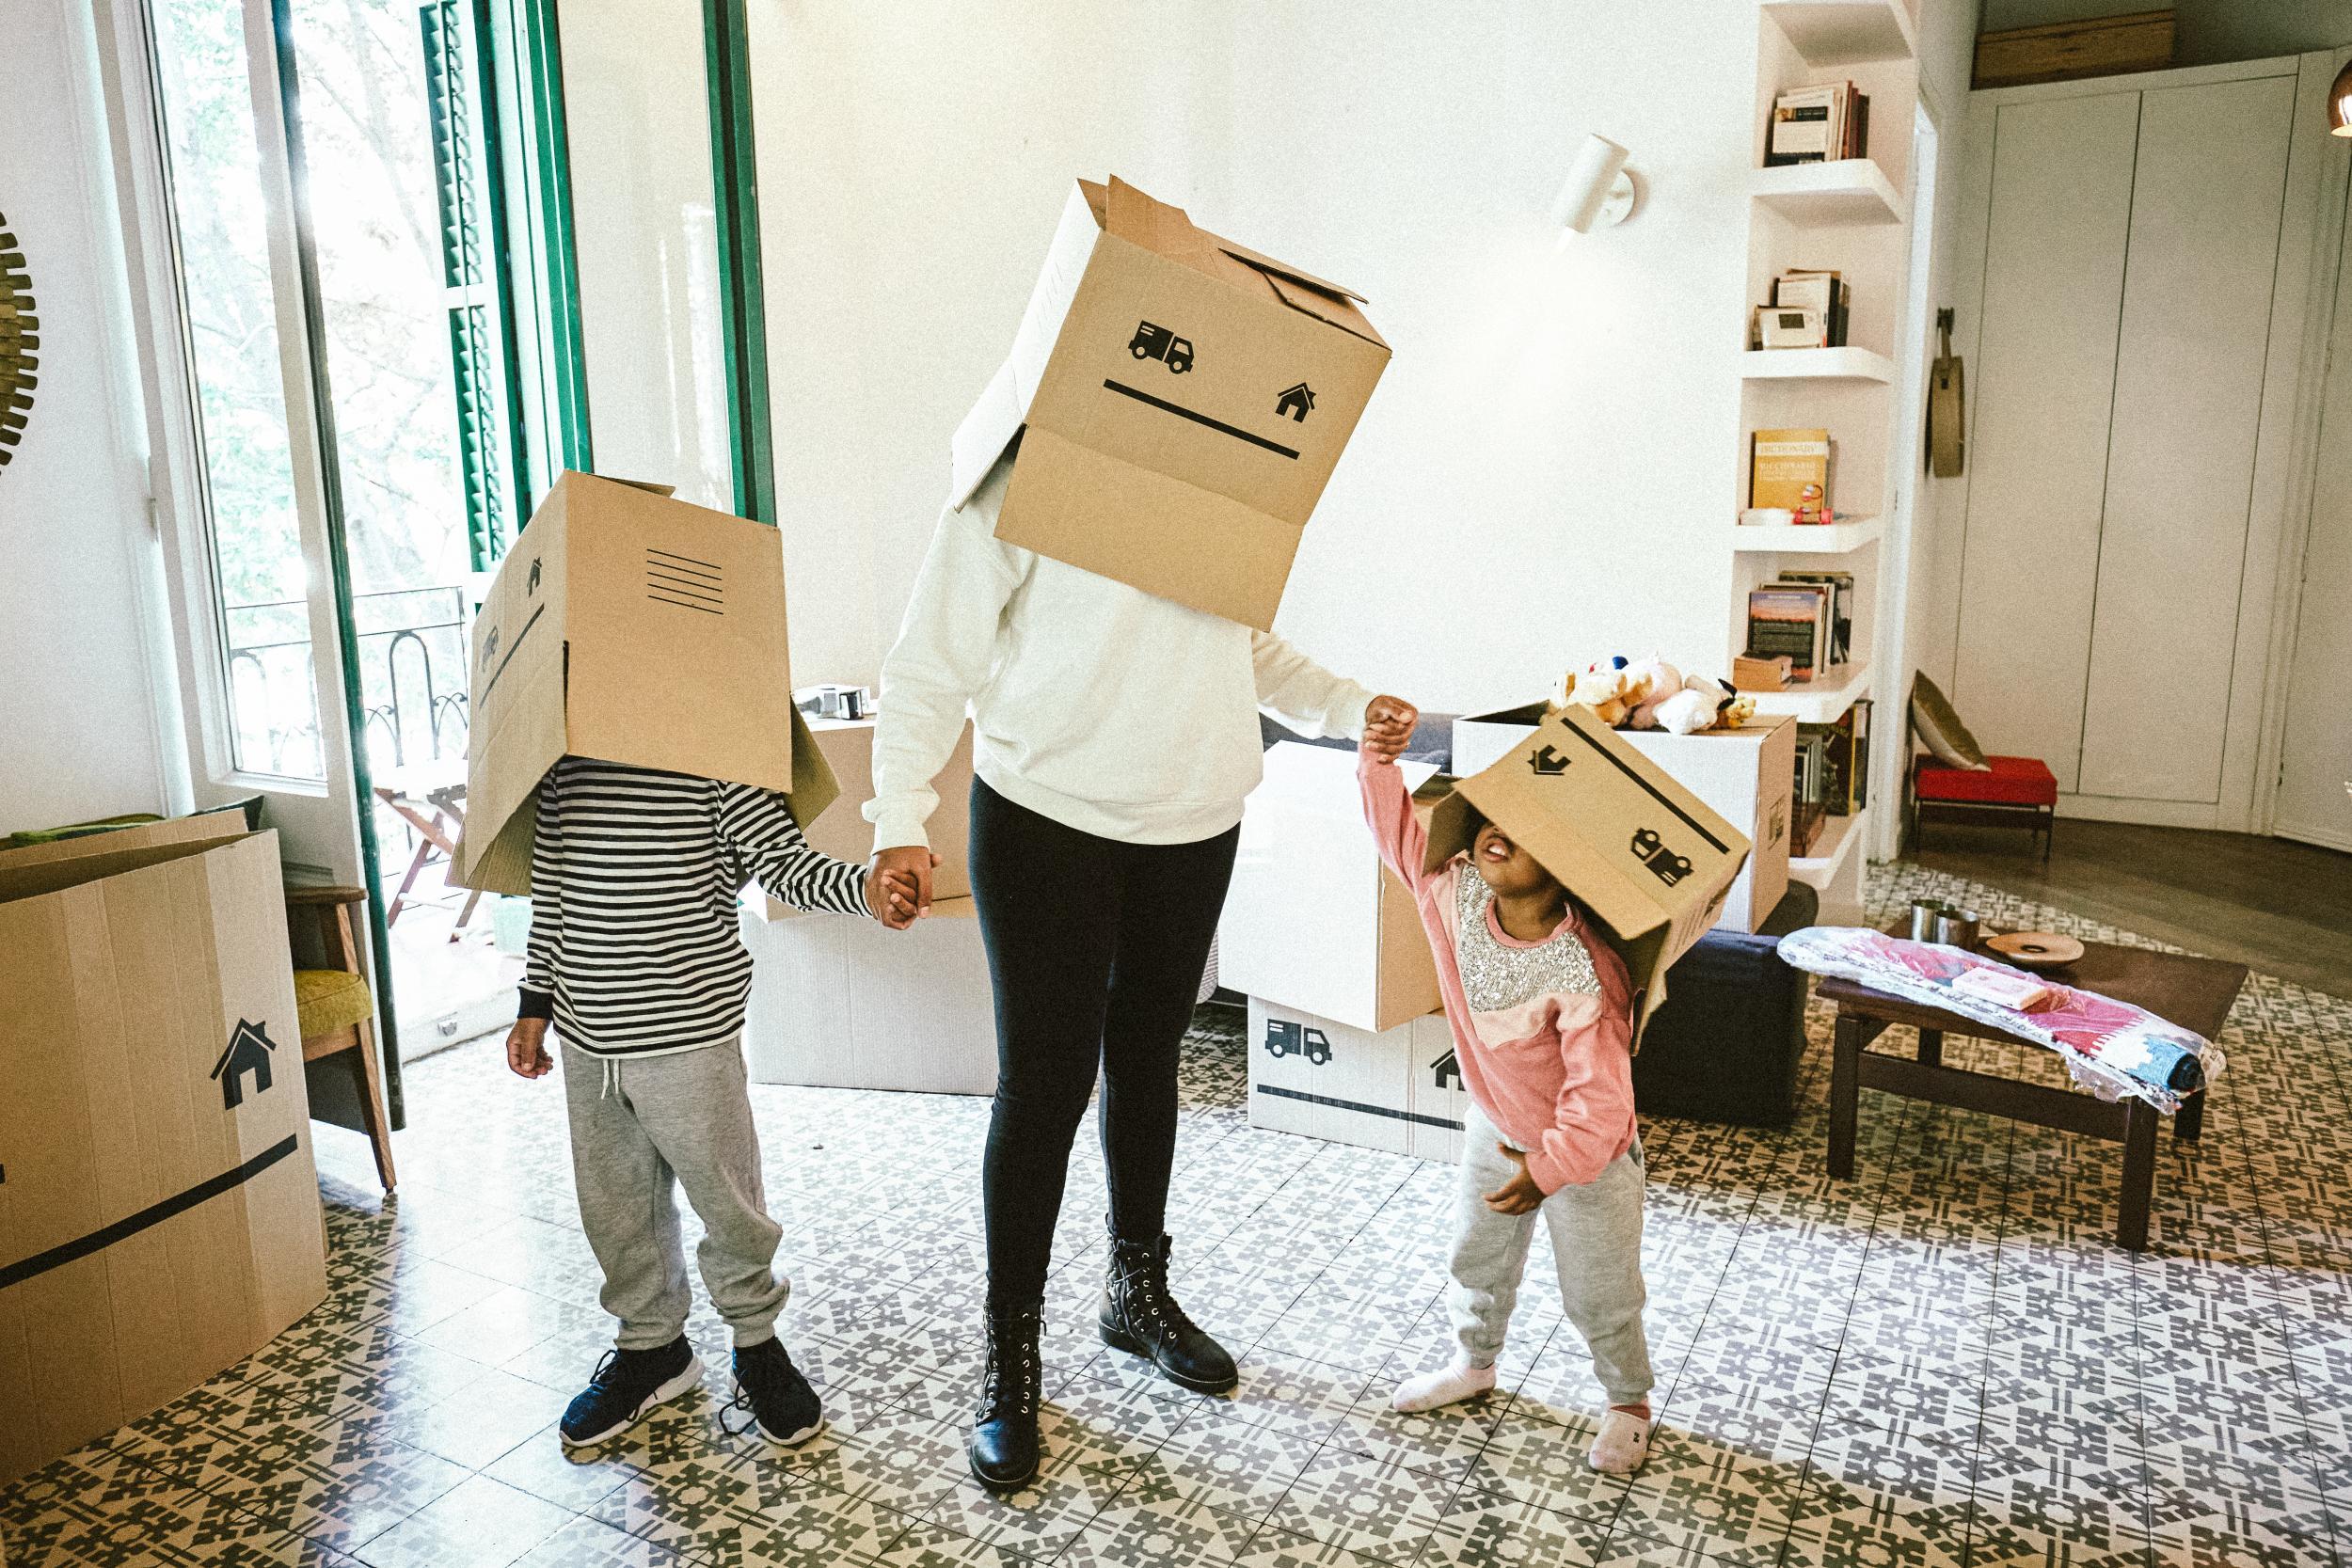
x,y
1456,1381
1623,1444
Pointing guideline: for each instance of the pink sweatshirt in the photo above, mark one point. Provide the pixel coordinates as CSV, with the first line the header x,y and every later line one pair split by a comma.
x,y
1553,1070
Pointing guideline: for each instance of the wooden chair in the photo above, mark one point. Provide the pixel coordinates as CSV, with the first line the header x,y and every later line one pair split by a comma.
x,y
337,1008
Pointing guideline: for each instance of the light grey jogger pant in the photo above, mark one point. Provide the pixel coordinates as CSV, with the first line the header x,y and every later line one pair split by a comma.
x,y
642,1126
1596,1240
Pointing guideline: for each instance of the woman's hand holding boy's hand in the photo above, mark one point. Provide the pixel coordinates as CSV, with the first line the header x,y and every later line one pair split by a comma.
x,y
1518,1196
527,1048
1389,727
894,893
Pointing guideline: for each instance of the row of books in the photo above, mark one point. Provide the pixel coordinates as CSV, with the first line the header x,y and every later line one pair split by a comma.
x,y
1833,775
1805,617
1813,125
1807,309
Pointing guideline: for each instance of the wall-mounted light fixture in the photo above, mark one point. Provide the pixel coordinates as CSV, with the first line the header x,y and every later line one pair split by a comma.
x,y
1599,190
2340,103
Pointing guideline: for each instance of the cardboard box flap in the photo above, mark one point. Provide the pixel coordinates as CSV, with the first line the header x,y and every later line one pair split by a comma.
x,y
1332,309
980,440
1263,262
650,487
1166,232
32,880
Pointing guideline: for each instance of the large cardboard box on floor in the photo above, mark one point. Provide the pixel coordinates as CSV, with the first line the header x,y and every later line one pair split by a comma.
x,y
843,832
1395,1088
634,628
1179,401
1746,775
1645,856
1312,918
842,1001
159,1209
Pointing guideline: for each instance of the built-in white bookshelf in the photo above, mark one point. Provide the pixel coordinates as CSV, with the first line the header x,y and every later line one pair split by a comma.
x,y
1844,32
1843,537
1842,194
1816,364
1820,699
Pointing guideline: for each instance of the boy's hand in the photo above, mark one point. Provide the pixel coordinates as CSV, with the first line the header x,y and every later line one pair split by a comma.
x,y
910,865
527,1048
1518,1196
893,894
1389,727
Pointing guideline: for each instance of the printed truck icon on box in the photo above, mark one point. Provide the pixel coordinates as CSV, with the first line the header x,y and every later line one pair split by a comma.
x,y
1286,1038
1153,342
1667,866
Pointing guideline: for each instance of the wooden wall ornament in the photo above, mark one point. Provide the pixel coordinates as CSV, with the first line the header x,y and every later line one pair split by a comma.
x,y
1947,406
20,336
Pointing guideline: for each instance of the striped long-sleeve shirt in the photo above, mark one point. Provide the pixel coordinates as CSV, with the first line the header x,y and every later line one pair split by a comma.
x,y
634,876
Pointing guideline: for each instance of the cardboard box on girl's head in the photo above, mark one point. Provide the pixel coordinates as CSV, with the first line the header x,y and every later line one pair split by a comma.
x,y
1179,401
634,628
1645,856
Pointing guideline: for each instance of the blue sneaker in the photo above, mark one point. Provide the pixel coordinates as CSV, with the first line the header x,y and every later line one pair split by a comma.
x,y
782,1404
626,1384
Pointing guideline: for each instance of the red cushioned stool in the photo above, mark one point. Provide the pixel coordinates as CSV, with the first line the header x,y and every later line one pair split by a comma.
x,y
2014,792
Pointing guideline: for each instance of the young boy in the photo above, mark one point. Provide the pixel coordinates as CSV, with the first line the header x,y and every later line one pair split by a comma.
x,y
1542,1020
634,954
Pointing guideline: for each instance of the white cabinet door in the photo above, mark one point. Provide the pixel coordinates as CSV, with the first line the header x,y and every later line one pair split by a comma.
x,y
2206,205
2060,211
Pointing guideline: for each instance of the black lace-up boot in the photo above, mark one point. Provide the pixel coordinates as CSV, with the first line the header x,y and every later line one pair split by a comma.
x,y
1142,1319
1004,1429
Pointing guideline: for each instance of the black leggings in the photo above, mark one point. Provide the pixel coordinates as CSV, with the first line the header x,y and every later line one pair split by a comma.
x,y
1096,948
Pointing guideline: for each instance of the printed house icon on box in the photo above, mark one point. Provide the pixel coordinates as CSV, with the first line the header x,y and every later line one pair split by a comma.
x,y
1296,401
249,1051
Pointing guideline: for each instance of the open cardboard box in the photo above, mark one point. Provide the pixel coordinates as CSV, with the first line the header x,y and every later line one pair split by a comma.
x,y
843,832
634,628
1650,860
1177,403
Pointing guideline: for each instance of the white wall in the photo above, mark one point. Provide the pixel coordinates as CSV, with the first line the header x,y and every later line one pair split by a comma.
x,y
78,733
1544,474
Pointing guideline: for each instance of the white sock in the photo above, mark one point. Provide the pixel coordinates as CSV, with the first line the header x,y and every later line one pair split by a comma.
x,y
1456,1380
1623,1443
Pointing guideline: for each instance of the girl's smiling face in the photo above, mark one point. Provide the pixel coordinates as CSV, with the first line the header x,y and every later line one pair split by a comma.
x,y
1510,870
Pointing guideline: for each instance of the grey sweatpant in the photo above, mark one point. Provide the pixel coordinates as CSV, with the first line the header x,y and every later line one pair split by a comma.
x,y
641,1127
1596,1240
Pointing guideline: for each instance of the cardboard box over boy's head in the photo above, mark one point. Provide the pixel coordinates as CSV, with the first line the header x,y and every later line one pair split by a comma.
x,y
634,628
1180,402
1646,856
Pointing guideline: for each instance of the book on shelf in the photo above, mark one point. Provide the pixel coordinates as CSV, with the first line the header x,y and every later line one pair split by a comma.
x,y
1845,759
1824,291
1782,463
1818,124
1840,585
1812,779
1791,621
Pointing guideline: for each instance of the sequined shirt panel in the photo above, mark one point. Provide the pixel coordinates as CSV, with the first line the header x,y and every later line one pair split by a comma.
x,y
1495,975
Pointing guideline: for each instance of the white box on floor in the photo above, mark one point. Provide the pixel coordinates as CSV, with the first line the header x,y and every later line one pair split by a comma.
x,y
841,1001
1324,1079
1312,920
1746,775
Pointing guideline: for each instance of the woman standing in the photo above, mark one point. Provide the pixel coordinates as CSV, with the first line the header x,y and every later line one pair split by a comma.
x,y
1115,738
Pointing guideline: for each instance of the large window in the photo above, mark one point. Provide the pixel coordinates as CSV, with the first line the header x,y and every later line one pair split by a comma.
x,y
258,584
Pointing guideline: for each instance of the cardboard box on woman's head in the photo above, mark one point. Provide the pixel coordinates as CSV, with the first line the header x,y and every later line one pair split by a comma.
x,y
1179,401
1646,856
633,628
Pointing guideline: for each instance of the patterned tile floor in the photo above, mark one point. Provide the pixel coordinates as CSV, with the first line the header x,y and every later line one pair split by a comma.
x,y
1944,1362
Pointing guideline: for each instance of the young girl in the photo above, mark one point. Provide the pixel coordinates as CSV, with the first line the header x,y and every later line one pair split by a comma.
x,y
1543,1027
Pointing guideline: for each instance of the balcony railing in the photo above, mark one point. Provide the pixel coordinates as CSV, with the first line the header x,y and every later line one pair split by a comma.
x,y
412,676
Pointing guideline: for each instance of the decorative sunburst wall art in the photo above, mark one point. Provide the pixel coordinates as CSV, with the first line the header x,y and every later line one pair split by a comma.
x,y
19,334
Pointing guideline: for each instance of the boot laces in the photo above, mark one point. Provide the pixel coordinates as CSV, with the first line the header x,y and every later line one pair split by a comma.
x,y
1144,1291
1015,1369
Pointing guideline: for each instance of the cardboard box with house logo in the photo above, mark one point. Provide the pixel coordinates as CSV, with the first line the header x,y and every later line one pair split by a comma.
x,y
1745,775
1395,1089
1312,920
1645,856
1179,401
159,1209
634,628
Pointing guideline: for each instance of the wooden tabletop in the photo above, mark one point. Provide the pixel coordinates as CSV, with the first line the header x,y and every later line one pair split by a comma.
x,y
2194,993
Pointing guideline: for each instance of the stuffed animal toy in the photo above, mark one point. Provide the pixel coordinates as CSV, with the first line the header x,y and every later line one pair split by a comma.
x,y
1704,705
1649,685
1602,689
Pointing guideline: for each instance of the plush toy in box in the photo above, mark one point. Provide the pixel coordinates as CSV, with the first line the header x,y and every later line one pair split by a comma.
x,y
1653,695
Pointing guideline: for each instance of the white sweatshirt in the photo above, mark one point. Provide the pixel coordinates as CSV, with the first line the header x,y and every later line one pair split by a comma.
x,y
1109,709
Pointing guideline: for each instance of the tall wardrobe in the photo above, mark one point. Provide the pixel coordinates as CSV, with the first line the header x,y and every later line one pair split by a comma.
x,y
2137,348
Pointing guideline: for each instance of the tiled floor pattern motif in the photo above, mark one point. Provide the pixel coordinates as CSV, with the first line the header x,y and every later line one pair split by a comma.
x,y
1944,1363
